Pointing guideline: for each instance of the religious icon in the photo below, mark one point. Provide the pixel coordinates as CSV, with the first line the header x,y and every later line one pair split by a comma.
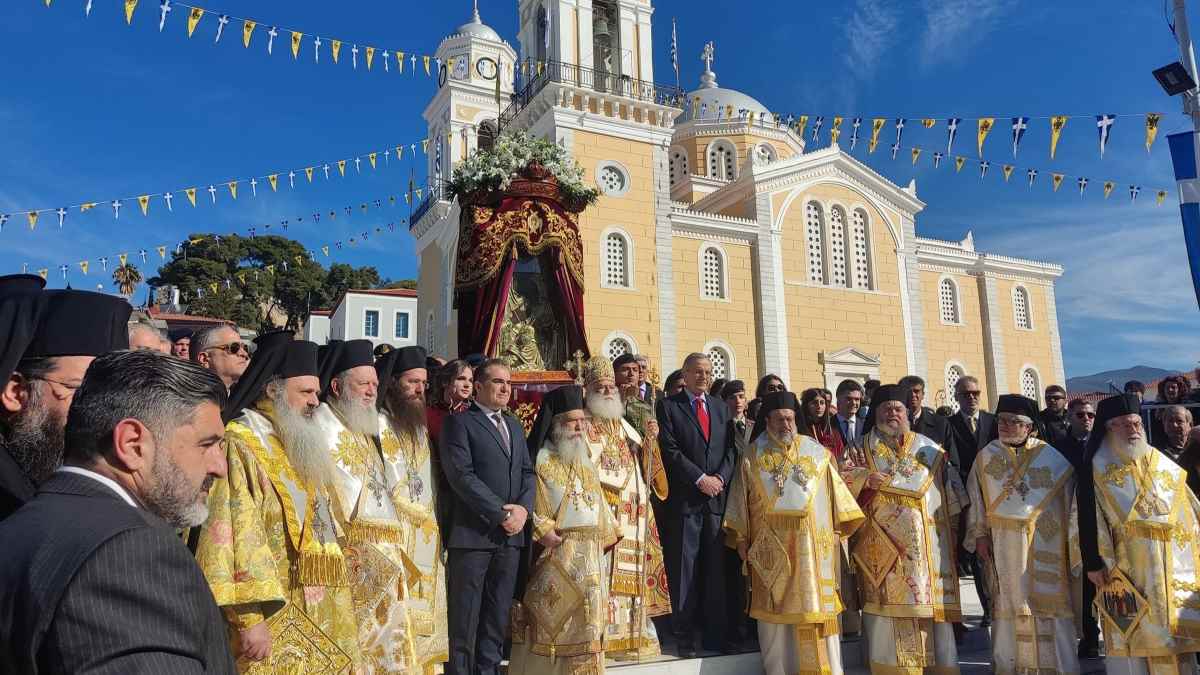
x,y
1120,603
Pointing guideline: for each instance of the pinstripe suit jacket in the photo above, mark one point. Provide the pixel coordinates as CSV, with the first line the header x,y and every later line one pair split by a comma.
x,y
89,584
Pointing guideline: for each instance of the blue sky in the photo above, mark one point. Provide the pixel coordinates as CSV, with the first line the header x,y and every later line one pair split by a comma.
x,y
93,109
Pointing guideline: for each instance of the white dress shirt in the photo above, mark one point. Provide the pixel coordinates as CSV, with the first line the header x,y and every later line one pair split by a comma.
x,y
103,480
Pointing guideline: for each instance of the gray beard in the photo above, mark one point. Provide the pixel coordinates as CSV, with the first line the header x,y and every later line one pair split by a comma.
x,y
36,441
892,435
1132,449
171,498
358,414
605,407
786,439
304,444
1014,441
572,449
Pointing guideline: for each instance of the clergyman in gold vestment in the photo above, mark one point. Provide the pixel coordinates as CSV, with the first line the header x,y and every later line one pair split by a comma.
x,y
787,513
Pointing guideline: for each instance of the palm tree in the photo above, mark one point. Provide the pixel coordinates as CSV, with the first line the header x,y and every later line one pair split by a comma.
x,y
126,278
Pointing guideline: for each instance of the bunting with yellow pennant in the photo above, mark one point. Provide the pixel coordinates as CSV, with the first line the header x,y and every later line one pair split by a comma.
x,y
876,127
985,128
1057,124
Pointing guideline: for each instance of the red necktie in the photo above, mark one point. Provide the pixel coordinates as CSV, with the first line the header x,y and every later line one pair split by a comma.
x,y
702,416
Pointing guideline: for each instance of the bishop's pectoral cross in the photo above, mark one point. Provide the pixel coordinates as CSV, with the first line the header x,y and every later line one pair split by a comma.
x,y
318,523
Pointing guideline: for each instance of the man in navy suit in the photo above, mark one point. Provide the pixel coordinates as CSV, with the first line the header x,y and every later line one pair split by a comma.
x,y
698,450
488,467
973,429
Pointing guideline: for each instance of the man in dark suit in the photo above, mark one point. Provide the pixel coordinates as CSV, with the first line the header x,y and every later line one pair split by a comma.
x,y
1081,417
929,424
490,472
94,578
696,438
848,422
972,428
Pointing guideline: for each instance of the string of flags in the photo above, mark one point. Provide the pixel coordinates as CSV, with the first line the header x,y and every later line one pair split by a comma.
x,y
868,130
326,250
299,41
195,194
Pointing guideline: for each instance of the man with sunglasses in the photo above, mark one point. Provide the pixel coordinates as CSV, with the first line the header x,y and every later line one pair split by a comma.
x,y
48,341
1054,417
221,350
1081,417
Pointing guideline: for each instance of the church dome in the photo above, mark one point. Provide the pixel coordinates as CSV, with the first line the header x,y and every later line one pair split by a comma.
x,y
715,97
477,28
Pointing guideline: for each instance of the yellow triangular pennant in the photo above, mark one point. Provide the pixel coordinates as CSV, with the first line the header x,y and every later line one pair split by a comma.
x,y
162,252
33,218
191,195
342,167
928,122
83,265
335,46
247,31
425,146
1056,179
800,125
296,44
123,257
399,151
144,202
1152,120
876,127
270,269
1160,196
87,207
835,131
1108,188
274,180
372,158
43,272
407,198
325,250
308,172
426,60
130,5
1007,169
1056,128
958,163
985,127
916,153
370,56
400,60
233,188
193,19
213,286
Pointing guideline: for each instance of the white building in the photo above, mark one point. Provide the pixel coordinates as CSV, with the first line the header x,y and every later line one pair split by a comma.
x,y
383,316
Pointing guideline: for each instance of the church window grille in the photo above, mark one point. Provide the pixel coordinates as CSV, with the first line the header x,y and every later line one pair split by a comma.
x,y
948,300
679,166
612,180
953,375
722,160
720,361
837,247
765,153
712,274
617,347
858,236
1021,308
1030,387
616,260
815,233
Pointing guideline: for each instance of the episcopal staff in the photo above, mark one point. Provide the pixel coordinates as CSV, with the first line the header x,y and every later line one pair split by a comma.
x,y
47,341
698,450
94,578
490,472
789,505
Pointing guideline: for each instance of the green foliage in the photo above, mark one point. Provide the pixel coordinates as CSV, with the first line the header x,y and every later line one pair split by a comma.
x,y
271,278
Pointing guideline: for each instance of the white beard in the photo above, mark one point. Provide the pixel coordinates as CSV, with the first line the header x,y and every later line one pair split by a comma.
x,y
572,449
304,444
605,407
1013,441
1123,446
893,431
359,415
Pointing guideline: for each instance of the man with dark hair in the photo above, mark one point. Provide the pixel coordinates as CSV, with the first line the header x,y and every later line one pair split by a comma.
x,y
869,388
221,350
849,401
1054,417
270,548
734,395
928,423
1137,388
181,343
698,449
48,340
1082,416
93,577
490,471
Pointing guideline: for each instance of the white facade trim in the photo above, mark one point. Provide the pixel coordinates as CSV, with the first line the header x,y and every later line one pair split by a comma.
x,y
1039,390
848,363
626,177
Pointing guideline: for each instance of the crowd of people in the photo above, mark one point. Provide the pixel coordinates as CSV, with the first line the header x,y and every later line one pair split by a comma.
x,y
193,503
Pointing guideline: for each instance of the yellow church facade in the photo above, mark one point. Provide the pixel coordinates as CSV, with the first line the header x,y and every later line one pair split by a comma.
x,y
720,231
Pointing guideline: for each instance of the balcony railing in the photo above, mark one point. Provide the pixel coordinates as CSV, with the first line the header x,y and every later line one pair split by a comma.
x,y
431,197
599,81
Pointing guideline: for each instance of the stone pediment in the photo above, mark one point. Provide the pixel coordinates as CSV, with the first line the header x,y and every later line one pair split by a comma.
x,y
849,357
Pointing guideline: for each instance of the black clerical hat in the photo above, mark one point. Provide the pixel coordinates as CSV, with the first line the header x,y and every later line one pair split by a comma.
x,y
776,400
21,304
18,284
299,360
80,323
352,354
269,351
554,403
1108,409
409,358
1016,404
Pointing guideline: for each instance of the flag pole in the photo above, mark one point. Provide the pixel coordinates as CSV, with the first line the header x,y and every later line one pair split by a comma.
x,y
1191,99
1184,149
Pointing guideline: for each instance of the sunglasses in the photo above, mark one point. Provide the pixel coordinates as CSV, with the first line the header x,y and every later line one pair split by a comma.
x,y
972,394
234,348
1085,415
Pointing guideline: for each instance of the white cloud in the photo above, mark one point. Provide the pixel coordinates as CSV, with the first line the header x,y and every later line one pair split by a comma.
x,y
869,33
950,24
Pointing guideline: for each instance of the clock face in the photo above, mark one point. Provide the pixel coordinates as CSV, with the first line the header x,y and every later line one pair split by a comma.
x,y
486,68
461,68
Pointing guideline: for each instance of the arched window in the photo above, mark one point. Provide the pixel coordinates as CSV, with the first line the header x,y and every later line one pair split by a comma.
x,y
948,300
722,363
1021,307
837,247
722,160
1030,387
679,166
712,274
487,134
617,346
954,373
861,256
814,228
615,272
765,153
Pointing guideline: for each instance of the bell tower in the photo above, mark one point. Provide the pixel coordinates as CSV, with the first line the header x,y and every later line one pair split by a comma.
x,y
610,37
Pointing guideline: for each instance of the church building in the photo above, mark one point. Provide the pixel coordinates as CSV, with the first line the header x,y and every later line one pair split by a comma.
x,y
719,230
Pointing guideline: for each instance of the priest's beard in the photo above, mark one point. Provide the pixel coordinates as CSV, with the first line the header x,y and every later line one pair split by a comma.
x,y
171,497
303,442
35,438
570,445
893,432
408,414
605,406
1132,447
359,414
786,438
1014,440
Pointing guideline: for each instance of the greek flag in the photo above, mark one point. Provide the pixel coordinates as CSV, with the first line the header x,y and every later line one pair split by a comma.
x,y
1185,155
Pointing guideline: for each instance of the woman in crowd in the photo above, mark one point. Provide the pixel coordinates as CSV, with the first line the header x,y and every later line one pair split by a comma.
x,y
1172,390
449,394
817,422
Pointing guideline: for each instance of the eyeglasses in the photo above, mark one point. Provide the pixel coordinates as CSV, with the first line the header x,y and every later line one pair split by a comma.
x,y
775,387
972,394
234,348
1085,415
71,388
